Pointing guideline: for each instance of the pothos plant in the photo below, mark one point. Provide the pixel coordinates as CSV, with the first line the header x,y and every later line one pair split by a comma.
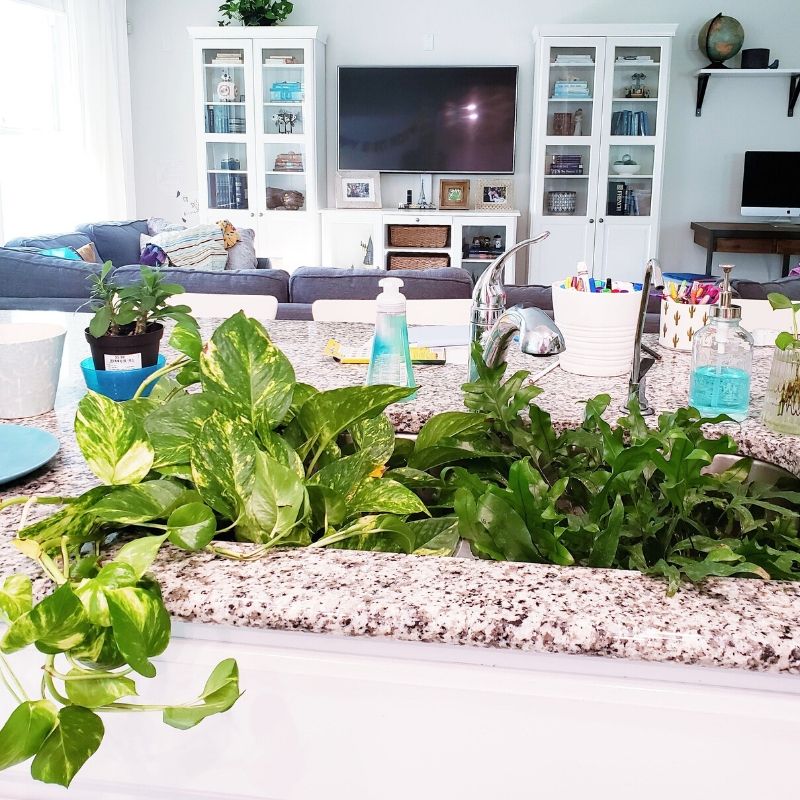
x,y
255,12
254,456
786,340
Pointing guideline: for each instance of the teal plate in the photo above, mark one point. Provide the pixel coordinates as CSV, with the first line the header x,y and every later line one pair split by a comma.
x,y
22,450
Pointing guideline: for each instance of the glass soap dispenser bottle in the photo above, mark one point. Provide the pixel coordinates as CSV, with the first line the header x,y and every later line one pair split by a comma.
x,y
722,360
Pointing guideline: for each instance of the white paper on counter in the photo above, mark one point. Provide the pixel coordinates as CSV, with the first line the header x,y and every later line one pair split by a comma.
x,y
438,335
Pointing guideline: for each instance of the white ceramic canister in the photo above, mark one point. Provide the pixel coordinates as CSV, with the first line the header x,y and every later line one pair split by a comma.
x,y
599,330
30,360
680,322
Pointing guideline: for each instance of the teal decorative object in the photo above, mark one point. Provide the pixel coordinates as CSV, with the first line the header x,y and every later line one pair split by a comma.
x,y
720,39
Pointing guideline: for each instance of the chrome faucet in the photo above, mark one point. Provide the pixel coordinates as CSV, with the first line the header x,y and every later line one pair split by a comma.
x,y
538,335
537,331
640,366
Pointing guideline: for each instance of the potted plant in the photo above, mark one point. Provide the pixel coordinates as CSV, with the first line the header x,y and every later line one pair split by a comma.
x,y
782,400
125,331
255,12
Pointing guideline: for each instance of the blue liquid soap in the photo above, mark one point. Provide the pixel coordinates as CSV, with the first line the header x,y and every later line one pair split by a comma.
x,y
390,360
715,389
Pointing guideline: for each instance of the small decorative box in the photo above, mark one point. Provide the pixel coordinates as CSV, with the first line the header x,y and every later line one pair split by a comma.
x,y
680,322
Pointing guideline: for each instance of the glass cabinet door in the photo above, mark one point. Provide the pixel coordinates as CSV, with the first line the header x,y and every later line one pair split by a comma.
x,y
281,117
225,88
633,118
574,94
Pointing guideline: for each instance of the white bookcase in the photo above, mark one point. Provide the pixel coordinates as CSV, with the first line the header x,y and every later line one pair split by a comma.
x,y
346,231
583,114
262,135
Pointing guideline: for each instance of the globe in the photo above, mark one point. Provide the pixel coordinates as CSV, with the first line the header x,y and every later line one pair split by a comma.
x,y
721,38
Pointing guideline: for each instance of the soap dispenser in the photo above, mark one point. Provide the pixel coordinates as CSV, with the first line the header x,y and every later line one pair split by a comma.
x,y
722,360
390,360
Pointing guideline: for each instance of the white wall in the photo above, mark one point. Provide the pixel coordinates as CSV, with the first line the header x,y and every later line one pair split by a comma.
x,y
703,155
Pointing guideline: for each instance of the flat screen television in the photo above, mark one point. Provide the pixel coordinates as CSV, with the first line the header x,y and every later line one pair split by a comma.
x,y
427,119
771,184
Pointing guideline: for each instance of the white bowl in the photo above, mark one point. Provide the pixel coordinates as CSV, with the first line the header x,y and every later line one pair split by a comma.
x,y
626,169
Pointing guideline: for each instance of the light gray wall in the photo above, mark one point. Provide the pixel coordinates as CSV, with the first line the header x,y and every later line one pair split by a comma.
x,y
703,156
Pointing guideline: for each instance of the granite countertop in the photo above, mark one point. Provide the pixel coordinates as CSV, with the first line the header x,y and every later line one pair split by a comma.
x,y
736,623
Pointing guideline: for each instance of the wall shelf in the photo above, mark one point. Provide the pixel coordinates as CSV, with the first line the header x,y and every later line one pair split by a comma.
x,y
703,76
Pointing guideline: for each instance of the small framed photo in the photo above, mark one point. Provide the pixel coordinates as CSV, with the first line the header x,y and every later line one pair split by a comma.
x,y
358,190
495,194
453,194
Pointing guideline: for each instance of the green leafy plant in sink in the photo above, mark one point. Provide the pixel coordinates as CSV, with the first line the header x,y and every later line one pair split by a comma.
x,y
629,497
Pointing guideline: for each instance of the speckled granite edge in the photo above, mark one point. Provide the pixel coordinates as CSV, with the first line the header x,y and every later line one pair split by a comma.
x,y
744,624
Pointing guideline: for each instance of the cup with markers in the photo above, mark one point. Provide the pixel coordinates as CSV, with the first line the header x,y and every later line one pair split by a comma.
x,y
685,309
598,318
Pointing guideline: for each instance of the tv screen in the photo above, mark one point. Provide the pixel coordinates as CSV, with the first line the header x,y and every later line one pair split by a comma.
x,y
427,119
771,183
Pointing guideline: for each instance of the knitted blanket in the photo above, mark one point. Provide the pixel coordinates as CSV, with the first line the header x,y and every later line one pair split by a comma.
x,y
200,247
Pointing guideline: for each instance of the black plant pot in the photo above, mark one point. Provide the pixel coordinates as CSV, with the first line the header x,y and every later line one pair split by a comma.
x,y
145,345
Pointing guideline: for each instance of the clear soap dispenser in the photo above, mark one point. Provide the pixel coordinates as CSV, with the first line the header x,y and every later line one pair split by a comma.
x,y
722,360
390,360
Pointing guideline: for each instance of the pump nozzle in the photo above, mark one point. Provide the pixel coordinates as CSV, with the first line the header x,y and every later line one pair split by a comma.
x,y
391,299
725,309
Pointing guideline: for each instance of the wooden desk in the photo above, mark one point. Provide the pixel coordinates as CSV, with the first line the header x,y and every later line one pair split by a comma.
x,y
777,238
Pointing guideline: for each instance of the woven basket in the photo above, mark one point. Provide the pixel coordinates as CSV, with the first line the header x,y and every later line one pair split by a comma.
x,y
416,260
418,235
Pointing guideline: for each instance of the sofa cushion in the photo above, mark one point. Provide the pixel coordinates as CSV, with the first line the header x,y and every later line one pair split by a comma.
x,y
308,284
753,290
245,281
117,242
74,240
243,254
44,304
27,274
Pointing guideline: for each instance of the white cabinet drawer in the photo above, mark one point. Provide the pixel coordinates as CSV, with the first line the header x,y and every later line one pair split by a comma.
x,y
412,218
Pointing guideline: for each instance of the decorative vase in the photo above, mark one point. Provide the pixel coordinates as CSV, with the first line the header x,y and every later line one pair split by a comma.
x,y
679,323
782,401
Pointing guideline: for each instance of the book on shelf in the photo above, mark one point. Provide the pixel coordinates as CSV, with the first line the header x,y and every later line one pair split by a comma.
x,y
635,60
616,198
630,123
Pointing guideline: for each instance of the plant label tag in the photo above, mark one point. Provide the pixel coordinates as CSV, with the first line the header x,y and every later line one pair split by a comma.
x,y
117,362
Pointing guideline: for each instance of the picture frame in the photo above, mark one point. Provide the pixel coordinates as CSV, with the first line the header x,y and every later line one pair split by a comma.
x,y
358,189
495,194
453,193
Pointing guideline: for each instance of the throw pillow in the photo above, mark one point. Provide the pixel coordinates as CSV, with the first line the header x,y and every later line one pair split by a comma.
x,y
200,247
69,253
243,254
88,253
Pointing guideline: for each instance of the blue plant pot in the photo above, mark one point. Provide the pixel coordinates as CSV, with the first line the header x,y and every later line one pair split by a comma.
x,y
118,384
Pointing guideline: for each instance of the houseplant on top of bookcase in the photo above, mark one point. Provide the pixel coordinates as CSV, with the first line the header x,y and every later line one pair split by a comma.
x,y
255,12
782,400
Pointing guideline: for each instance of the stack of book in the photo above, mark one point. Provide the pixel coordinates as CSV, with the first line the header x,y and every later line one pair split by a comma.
x,y
229,191
622,200
630,123
574,88
289,162
227,59
635,60
221,119
277,59
573,60
566,165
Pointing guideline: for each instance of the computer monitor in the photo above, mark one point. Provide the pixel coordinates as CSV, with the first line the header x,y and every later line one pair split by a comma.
x,y
771,185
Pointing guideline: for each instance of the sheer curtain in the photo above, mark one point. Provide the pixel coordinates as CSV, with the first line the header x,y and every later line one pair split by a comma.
x,y
65,128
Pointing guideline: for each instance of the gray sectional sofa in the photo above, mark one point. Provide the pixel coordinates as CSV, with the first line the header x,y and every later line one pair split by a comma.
x,y
29,280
